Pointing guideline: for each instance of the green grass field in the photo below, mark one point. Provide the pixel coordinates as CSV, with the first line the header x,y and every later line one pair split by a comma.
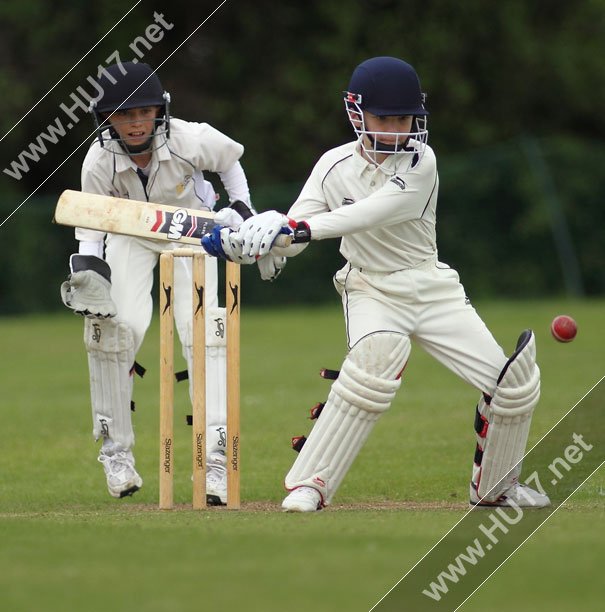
x,y
65,544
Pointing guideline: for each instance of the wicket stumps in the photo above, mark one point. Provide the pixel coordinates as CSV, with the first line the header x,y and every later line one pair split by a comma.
x,y
232,305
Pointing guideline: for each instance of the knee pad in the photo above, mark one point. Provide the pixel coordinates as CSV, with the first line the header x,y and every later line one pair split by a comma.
x,y
110,348
363,391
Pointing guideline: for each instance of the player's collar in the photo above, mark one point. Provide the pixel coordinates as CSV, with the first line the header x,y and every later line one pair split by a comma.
x,y
160,146
362,164
122,162
389,166
359,161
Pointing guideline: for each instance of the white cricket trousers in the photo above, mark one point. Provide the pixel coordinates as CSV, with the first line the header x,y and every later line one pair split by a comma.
x,y
132,262
429,306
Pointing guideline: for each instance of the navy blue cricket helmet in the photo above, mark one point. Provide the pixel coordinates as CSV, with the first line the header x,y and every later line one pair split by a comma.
x,y
387,86
128,85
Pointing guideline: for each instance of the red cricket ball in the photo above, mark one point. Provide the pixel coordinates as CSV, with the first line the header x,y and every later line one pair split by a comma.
x,y
563,328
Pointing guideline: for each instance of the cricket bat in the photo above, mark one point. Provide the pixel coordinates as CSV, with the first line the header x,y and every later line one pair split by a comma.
x,y
135,218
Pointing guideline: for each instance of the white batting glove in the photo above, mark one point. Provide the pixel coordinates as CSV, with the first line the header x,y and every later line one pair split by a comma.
x,y
232,247
270,266
257,234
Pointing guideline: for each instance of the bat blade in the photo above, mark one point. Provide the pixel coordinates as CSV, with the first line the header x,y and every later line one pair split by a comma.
x,y
132,217
136,218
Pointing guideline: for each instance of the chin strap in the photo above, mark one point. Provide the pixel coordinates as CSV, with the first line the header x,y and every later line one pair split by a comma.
x,y
381,147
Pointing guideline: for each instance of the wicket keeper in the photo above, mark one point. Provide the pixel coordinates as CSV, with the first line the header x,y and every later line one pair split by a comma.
x,y
142,153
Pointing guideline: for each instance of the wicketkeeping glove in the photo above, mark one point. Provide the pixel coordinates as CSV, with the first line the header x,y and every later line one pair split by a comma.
x,y
87,290
228,217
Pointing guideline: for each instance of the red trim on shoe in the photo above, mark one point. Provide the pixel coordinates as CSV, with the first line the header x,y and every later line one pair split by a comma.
x,y
482,501
322,502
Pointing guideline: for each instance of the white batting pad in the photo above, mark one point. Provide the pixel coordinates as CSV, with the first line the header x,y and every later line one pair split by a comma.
x,y
508,417
216,327
110,348
216,394
216,385
216,378
364,389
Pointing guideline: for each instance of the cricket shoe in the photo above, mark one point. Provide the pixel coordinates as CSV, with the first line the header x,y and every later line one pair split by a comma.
x,y
518,495
216,479
302,499
122,478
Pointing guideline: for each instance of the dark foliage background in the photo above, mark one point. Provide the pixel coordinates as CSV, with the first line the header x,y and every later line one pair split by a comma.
x,y
514,90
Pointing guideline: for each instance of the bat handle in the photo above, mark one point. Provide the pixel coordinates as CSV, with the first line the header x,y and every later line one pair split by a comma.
x,y
284,239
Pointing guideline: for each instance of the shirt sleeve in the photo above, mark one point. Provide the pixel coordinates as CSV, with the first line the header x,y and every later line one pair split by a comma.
x,y
235,184
402,198
311,200
217,152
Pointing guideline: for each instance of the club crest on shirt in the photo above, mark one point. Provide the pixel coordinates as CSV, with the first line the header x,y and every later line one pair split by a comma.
x,y
347,201
181,186
399,182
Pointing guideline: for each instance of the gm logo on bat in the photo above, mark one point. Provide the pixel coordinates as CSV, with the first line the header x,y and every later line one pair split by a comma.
x,y
177,224
180,223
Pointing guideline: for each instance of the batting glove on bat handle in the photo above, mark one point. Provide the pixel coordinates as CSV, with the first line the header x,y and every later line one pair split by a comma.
x,y
237,212
261,232
301,232
221,243
212,243
270,266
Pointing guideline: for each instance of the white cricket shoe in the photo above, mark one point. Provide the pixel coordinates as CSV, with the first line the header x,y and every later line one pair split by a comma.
x,y
519,495
302,499
122,478
216,479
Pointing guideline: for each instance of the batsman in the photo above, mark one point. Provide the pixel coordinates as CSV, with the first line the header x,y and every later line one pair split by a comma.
x,y
142,153
378,194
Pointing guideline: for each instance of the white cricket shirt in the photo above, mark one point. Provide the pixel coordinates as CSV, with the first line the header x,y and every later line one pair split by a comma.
x,y
386,217
176,172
